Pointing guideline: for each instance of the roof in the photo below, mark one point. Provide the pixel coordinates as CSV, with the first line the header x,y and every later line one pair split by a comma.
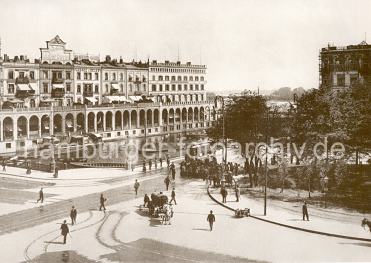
x,y
56,40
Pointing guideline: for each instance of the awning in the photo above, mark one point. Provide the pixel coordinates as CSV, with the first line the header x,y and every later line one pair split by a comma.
x,y
135,98
58,86
24,87
91,99
33,86
15,101
115,86
111,99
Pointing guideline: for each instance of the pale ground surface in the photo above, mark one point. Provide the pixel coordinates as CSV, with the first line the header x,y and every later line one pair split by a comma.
x,y
98,236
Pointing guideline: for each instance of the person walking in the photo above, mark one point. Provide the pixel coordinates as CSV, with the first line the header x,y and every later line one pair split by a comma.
x,y
167,182
224,194
237,193
160,160
305,211
167,160
102,203
41,196
172,196
73,215
155,163
172,170
4,165
136,186
150,164
146,200
56,172
211,219
144,166
64,231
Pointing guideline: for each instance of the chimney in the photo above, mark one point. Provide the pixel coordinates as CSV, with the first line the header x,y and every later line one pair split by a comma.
x,y
188,63
166,61
108,58
16,58
154,61
178,63
121,60
21,57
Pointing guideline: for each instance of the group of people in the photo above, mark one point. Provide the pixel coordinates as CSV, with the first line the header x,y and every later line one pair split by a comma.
x,y
154,162
224,193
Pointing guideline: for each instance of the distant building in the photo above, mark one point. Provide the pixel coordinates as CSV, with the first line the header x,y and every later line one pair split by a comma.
x,y
343,67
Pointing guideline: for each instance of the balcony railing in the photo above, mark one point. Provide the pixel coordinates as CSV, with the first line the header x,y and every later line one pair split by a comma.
x,y
21,94
57,93
23,80
57,81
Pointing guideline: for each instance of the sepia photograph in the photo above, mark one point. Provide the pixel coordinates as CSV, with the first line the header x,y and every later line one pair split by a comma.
x,y
177,131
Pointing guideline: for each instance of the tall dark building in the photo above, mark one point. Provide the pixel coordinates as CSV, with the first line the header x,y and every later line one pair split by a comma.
x,y
343,67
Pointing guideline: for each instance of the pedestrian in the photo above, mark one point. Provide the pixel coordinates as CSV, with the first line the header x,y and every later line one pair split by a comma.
x,y
305,211
41,196
56,172
211,220
160,162
155,163
224,194
172,196
4,165
73,215
172,170
167,182
136,186
150,164
167,160
64,231
146,200
237,193
102,203
28,168
144,165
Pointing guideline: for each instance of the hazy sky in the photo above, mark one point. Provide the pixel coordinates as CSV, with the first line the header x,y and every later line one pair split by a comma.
x,y
245,44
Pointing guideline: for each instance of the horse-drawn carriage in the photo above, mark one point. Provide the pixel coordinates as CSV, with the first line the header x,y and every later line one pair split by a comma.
x,y
158,207
239,213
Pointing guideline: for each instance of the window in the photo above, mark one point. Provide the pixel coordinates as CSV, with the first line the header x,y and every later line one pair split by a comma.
x,y
153,87
179,78
45,74
130,78
121,76
167,87
153,77
340,80
173,78
196,78
196,86
85,75
144,79
185,87
45,88
114,76
136,78
10,75
160,87
8,145
160,78
202,87
68,87
131,87
173,87
185,78
78,75
166,78
106,76
179,87
190,78
90,76
32,75
202,78
96,89
11,88
68,75
106,88
191,87
21,75
122,88
96,76
78,88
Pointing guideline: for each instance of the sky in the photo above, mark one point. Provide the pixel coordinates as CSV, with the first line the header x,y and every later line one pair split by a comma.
x,y
245,44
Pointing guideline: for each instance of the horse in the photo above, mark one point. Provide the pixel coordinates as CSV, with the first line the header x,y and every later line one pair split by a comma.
x,y
366,222
167,214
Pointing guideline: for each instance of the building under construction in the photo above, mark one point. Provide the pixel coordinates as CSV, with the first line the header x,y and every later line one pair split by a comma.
x,y
344,67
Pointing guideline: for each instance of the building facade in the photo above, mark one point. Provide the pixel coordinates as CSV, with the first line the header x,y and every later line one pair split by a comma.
x,y
178,82
343,67
62,94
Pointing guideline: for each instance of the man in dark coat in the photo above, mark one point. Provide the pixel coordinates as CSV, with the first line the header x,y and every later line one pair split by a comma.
x,y
211,220
173,171
64,231
150,164
102,201
224,194
136,186
146,200
167,182
172,196
41,196
73,215
305,211
160,160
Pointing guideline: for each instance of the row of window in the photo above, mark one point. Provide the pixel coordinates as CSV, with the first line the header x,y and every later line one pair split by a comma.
x,y
87,76
174,88
179,78
178,70
21,75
